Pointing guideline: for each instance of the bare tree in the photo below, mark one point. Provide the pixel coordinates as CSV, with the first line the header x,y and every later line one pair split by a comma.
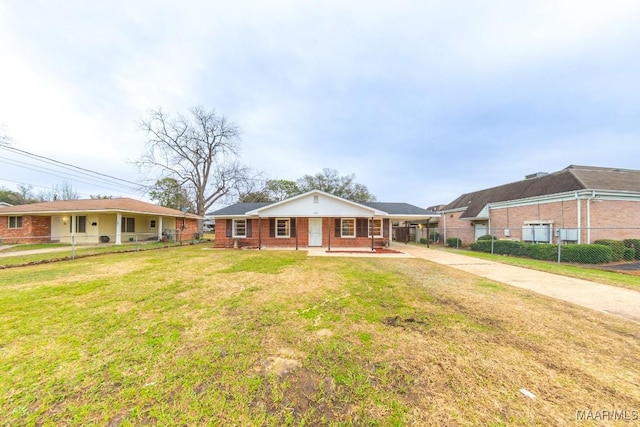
x,y
200,152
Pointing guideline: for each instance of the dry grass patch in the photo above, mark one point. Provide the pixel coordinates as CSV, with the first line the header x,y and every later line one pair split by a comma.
x,y
194,337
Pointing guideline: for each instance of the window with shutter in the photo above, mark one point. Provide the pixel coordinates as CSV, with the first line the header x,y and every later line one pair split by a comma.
x,y
348,227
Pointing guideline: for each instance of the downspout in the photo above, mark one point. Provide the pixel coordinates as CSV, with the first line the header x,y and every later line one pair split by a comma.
x,y
296,223
259,233
579,208
593,195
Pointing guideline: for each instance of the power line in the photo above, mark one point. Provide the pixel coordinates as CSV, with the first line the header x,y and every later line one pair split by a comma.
x,y
67,165
65,175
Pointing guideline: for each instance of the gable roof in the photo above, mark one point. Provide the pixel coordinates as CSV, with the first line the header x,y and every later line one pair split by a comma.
x,y
123,205
377,208
569,179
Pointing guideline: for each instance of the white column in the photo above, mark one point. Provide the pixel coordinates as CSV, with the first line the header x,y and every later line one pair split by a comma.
x,y
159,228
118,232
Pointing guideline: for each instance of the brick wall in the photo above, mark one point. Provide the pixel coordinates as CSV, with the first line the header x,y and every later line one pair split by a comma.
x,y
260,236
609,219
35,229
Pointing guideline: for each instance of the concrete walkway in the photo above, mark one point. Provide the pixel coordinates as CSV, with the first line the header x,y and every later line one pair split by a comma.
x,y
608,299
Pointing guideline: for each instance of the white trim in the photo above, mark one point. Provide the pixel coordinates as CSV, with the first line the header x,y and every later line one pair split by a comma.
x,y
288,235
355,233
234,228
369,227
264,210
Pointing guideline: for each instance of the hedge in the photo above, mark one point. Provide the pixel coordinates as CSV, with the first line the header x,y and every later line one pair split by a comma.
x,y
587,254
583,254
617,247
454,242
633,244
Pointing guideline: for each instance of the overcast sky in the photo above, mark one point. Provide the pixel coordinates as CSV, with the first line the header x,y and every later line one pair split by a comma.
x,y
422,100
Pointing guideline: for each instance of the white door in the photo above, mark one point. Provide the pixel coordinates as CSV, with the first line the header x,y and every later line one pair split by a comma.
x,y
55,228
315,231
481,230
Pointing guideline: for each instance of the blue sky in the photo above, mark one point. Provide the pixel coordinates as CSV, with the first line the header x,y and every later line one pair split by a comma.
x,y
421,100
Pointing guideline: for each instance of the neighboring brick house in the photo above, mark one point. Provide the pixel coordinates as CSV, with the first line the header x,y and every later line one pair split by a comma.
x,y
312,219
94,221
578,204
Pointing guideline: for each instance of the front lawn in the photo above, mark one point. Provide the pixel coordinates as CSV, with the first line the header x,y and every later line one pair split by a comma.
x,y
193,336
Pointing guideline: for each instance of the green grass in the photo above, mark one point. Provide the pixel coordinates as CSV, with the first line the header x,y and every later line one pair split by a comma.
x,y
586,272
64,252
189,336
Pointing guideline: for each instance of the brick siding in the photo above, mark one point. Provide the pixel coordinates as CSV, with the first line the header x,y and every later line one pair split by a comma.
x,y
260,236
35,229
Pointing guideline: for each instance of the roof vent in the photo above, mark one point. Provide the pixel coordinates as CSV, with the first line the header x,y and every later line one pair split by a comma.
x,y
536,175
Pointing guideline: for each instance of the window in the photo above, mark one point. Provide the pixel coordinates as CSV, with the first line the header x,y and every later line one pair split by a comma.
x,y
128,225
376,227
152,223
15,222
81,224
239,228
348,227
283,227
315,199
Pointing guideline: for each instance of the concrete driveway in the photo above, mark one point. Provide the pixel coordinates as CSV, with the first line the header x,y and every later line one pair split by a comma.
x,y
608,299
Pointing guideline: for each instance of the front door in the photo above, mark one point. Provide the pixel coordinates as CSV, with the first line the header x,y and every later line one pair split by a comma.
x,y
481,230
315,231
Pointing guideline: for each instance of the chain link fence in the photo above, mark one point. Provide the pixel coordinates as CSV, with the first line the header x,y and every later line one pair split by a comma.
x,y
67,244
571,245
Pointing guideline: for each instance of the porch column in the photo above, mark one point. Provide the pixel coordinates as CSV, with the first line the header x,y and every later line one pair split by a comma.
x,y
118,231
296,222
371,230
259,233
159,225
72,218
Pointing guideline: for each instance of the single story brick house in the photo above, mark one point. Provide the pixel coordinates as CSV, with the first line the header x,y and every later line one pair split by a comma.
x,y
94,221
578,204
312,219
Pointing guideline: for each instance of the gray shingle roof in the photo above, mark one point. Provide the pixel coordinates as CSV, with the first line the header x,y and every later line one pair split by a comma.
x,y
390,208
572,178
238,209
397,208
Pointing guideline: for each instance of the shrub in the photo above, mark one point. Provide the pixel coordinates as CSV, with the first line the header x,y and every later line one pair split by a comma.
x,y
487,237
587,254
423,241
629,254
635,244
454,242
500,247
434,236
541,251
617,247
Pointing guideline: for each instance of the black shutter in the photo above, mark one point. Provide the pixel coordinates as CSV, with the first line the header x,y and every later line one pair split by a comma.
x,y
229,227
292,224
249,227
361,227
385,227
272,227
337,227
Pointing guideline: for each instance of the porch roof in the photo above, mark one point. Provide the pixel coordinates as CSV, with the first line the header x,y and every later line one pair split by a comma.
x,y
122,205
